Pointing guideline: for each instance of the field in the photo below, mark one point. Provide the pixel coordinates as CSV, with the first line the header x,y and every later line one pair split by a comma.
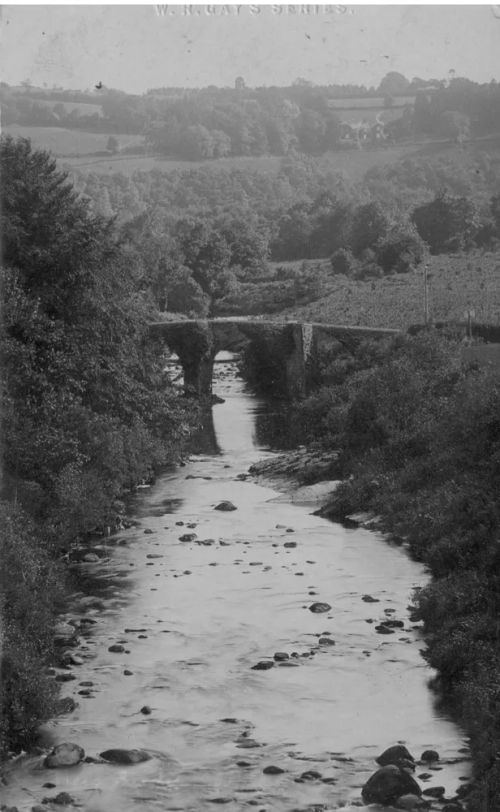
x,y
77,150
65,143
83,108
456,283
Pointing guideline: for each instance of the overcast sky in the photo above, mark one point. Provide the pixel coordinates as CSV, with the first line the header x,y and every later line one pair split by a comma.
x,y
134,48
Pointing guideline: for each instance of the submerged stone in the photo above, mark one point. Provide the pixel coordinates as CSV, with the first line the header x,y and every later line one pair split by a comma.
x,y
66,754
124,757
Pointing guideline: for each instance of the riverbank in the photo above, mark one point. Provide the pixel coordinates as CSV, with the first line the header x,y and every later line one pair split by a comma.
x,y
416,436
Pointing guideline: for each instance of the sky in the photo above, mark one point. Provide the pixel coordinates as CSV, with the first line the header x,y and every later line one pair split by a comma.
x,y
136,47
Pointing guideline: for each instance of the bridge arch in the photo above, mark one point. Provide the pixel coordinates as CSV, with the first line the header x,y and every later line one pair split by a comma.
x,y
291,345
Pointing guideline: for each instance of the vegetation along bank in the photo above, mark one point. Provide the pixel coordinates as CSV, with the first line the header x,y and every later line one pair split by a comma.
x,y
87,412
414,435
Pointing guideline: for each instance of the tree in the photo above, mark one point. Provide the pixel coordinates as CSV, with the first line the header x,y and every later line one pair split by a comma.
x,y
369,225
393,84
454,125
447,223
185,295
400,250
113,145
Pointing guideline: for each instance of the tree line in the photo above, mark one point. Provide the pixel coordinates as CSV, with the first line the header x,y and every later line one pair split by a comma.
x,y
215,122
87,410
212,241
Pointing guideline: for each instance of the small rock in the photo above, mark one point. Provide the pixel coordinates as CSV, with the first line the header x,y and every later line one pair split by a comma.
x,y
225,506
127,673
148,532
369,599
125,757
393,624
326,641
116,648
38,808
272,770
383,630
63,799
188,537
319,607
311,775
290,544
429,755
66,754
281,656
263,665
434,792
146,710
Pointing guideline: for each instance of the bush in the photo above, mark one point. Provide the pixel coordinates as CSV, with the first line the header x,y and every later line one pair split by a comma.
x,y
343,262
30,587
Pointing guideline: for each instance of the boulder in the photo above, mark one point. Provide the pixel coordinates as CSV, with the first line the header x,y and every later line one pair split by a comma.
x,y
429,755
66,704
388,784
272,770
66,754
125,757
225,505
394,755
64,633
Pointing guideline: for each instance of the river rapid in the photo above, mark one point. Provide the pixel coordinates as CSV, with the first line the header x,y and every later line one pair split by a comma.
x,y
195,616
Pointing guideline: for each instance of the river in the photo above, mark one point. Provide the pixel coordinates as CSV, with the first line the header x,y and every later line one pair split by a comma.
x,y
195,617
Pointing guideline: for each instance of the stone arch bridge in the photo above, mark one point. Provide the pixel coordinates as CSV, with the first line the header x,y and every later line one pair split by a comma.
x,y
291,347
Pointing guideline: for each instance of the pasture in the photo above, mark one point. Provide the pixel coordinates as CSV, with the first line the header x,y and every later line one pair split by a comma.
x,y
457,282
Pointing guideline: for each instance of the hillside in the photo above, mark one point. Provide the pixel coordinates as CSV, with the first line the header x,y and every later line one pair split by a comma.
x,y
456,283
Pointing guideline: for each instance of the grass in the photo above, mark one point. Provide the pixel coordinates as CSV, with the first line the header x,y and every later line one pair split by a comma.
x,y
456,283
64,143
78,149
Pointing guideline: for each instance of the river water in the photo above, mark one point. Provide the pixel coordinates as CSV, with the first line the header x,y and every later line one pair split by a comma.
x,y
195,617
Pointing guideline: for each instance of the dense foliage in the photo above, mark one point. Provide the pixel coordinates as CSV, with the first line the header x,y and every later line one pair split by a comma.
x,y
209,240
418,437
87,411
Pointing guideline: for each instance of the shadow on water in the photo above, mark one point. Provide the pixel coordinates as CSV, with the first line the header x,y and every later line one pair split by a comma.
x,y
204,441
274,426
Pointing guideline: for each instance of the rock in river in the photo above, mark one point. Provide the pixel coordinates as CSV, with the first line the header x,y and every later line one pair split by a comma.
x,y
118,756
225,505
66,754
319,607
263,665
395,755
429,755
388,784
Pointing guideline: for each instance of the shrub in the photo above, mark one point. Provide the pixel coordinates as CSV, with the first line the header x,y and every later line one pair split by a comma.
x,y
343,262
